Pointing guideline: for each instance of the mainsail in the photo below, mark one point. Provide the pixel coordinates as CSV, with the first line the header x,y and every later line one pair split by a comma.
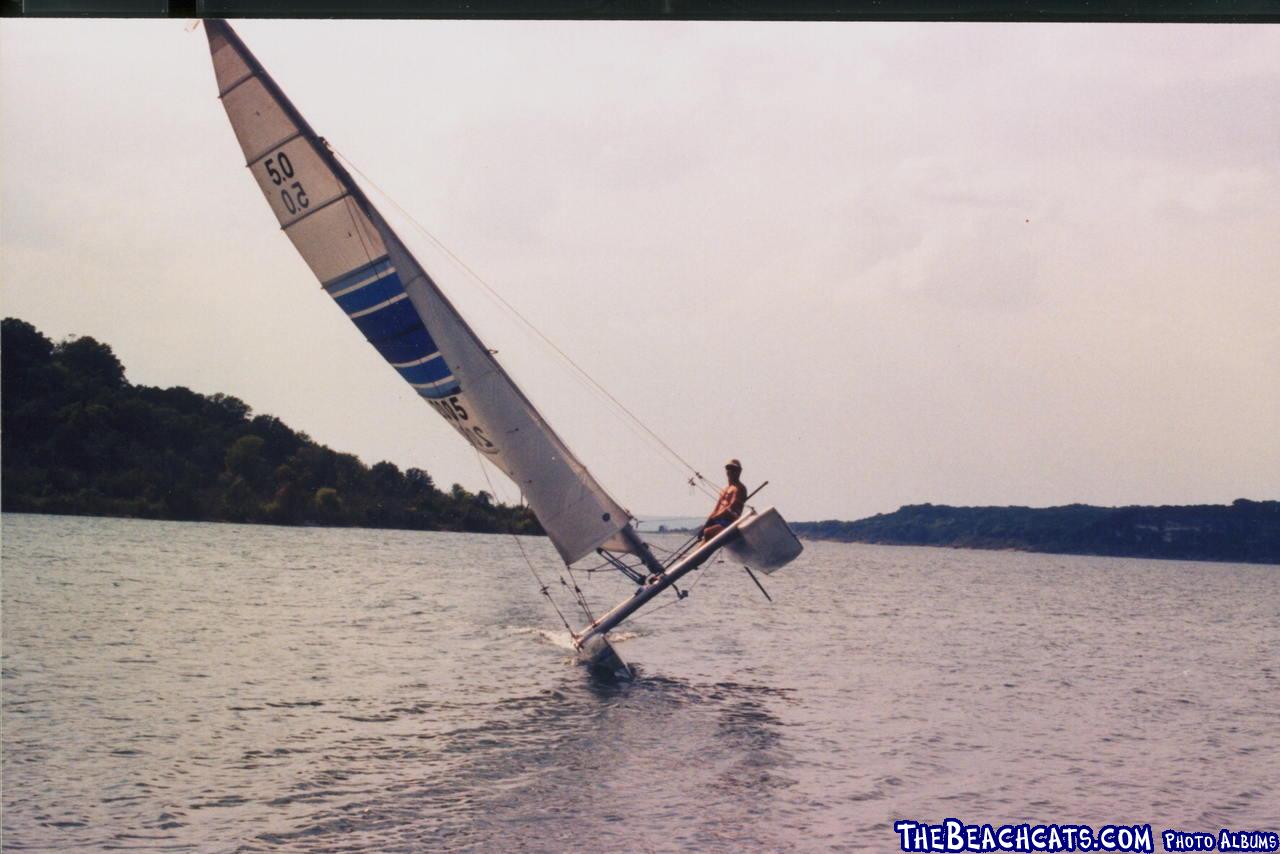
x,y
400,310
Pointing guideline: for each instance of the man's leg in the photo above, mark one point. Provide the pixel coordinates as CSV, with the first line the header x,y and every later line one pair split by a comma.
x,y
710,531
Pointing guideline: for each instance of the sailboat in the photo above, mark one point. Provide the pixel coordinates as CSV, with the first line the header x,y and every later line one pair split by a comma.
x,y
368,271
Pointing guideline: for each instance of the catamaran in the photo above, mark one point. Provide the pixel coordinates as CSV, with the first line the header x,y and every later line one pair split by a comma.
x,y
368,271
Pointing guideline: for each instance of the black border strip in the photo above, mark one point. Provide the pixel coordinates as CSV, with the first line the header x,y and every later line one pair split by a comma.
x,y
1115,11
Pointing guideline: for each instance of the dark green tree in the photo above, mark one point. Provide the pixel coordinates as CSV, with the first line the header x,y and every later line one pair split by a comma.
x,y
77,437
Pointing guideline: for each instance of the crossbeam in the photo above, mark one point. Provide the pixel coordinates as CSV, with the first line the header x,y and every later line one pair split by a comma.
x,y
658,583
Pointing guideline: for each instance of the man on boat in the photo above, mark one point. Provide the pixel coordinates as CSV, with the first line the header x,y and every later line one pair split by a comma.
x,y
729,505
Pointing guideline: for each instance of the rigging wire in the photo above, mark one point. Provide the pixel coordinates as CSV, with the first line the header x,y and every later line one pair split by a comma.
x,y
542,586
697,479
579,596
582,597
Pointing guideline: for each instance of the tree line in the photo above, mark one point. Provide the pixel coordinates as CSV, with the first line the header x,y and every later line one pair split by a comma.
x,y
78,438
1245,531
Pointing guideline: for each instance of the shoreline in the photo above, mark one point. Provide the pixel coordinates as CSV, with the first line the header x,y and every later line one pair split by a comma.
x,y
255,524
1021,550
805,537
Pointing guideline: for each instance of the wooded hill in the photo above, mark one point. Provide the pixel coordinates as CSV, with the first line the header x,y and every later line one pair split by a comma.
x,y
78,438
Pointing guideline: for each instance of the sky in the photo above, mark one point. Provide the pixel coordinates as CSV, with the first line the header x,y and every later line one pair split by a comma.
x,y
880,263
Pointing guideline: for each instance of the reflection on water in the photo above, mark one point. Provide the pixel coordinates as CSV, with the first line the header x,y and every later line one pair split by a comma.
x,y
537,767
226,688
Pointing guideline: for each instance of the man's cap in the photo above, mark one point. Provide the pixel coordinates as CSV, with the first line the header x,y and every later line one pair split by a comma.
x,y
733,464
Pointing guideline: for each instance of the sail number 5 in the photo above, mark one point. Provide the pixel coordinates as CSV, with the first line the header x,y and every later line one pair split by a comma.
x,y
456,414
280,170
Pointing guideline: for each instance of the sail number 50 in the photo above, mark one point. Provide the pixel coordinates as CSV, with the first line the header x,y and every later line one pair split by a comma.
x,y
280,170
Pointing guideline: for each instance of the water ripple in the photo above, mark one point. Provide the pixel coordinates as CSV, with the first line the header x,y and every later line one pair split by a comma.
x,y
235,689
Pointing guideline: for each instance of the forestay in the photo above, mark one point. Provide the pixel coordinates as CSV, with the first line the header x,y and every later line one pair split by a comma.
x,y
399,309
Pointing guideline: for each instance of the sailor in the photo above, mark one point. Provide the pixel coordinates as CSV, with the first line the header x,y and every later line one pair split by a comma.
x,y
729,505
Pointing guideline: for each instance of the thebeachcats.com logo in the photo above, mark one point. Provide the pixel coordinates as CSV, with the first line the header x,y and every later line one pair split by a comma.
x,y
1223,840
955,835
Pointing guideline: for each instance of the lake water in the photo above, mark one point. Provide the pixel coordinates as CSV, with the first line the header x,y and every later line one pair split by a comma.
x,y
197,687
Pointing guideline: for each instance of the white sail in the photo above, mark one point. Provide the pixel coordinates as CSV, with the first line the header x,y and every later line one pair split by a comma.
x,y
376,281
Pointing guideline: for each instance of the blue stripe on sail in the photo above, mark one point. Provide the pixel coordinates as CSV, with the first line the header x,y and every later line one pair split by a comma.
x,y
390,321
375,300
408,347
370,295
440,391
427,372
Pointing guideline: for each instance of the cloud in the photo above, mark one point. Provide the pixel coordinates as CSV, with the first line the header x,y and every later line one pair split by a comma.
x,y
887,263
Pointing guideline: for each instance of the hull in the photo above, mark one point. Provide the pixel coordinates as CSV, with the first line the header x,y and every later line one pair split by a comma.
x,y
772,545
599,657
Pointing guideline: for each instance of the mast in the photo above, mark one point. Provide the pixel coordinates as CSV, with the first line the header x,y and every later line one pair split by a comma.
x,y
369,272
374,278
326,154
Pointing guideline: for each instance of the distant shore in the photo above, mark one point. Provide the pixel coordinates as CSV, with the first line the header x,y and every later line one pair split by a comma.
x,y
1243,532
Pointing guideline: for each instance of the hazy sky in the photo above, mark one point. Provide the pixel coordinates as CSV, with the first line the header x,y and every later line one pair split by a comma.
x,y
880,263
